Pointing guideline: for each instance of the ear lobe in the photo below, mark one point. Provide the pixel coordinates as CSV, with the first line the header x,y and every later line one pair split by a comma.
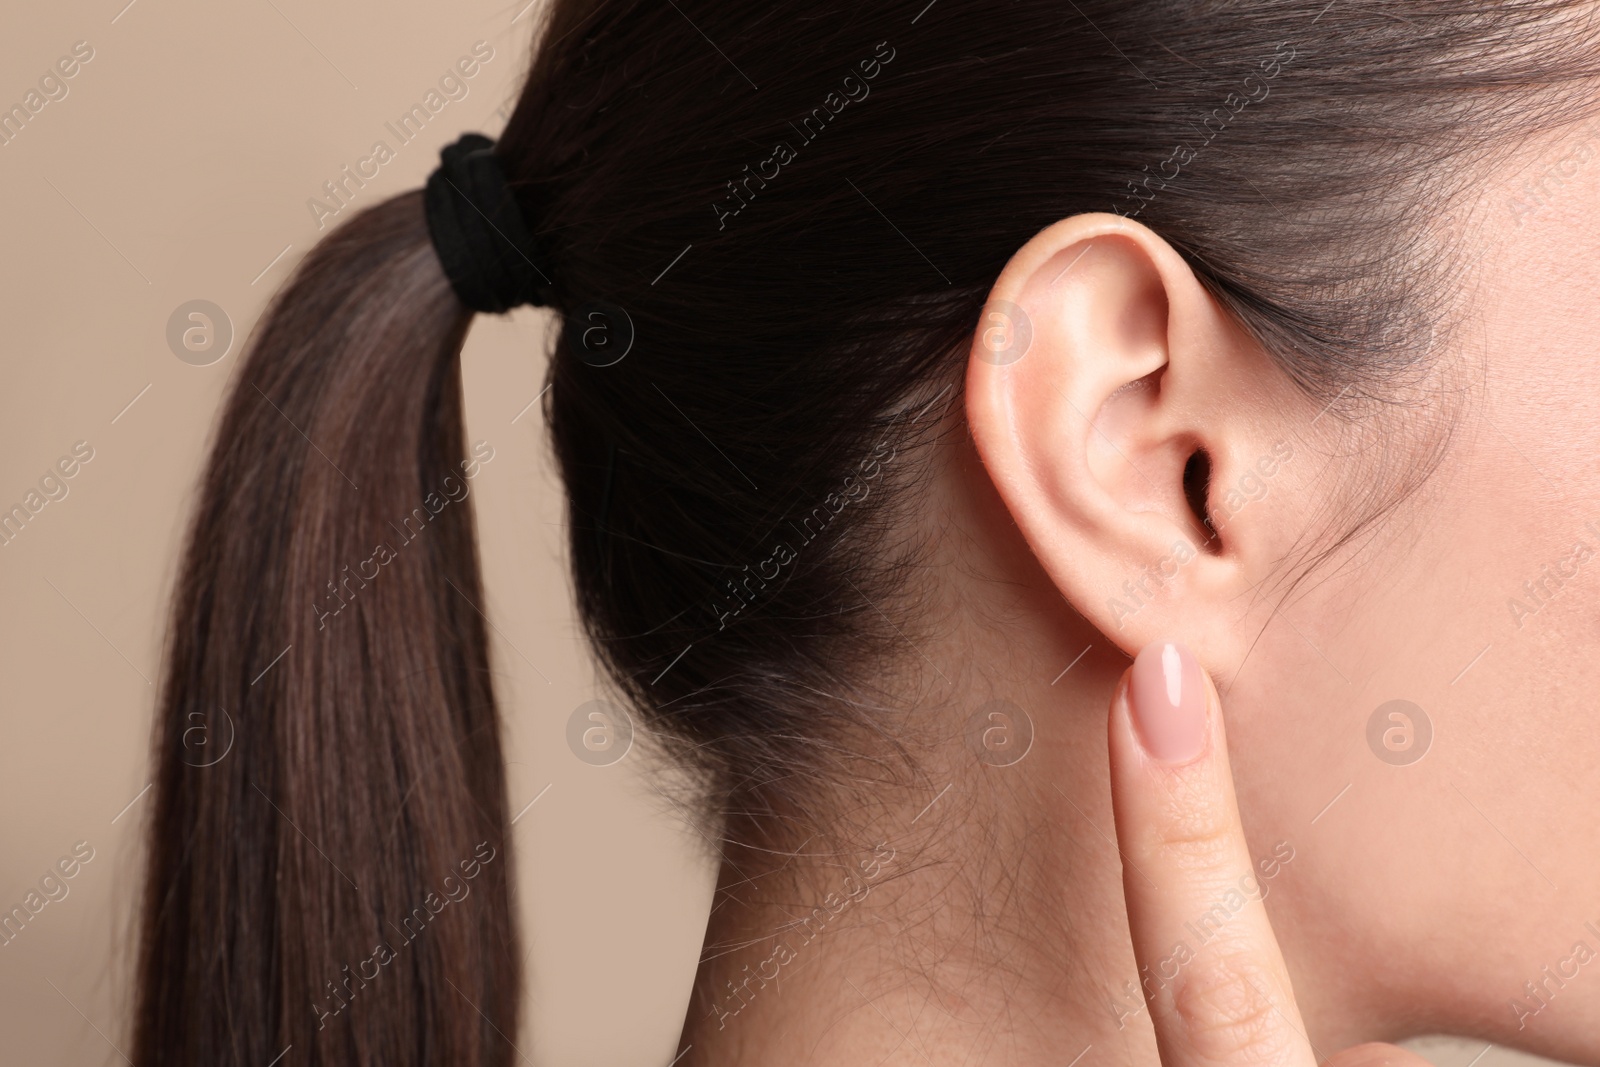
x,y
1104,382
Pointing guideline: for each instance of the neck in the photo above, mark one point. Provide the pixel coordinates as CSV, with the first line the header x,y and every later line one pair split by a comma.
x,y
976,919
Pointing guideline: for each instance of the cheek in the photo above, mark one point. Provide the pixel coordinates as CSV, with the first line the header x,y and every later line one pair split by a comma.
x,y
1370,884
1423,612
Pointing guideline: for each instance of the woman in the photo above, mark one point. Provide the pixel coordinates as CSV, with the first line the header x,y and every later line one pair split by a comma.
x,y
918,367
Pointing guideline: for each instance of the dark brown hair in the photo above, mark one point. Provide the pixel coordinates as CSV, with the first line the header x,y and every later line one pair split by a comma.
x,y
800,212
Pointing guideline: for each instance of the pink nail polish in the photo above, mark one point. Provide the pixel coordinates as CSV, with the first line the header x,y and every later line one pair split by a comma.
x,y
1167,695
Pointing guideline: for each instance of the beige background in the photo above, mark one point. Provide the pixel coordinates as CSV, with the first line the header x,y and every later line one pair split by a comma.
x,y
178,167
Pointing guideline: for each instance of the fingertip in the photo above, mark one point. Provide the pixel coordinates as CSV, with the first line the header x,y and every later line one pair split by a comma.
x,y
1170,699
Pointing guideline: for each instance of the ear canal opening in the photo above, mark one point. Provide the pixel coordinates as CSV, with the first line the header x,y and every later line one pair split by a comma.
x,y
1197,490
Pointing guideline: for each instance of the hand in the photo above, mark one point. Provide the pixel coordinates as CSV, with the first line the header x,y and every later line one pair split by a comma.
x,y
1226,1000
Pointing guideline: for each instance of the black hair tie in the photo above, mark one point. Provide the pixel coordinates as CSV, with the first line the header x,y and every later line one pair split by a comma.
x,y
478,231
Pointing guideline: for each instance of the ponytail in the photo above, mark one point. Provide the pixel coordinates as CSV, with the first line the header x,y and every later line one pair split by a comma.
x,y
329,857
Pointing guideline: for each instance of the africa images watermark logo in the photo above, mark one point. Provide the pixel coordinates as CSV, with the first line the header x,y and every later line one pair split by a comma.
x,y
999,733
599,732
1399,732
199,332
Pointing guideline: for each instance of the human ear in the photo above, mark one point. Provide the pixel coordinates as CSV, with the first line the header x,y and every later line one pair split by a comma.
x,y
1110,397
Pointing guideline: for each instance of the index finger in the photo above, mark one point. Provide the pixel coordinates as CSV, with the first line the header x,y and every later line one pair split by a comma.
x,y
1210,966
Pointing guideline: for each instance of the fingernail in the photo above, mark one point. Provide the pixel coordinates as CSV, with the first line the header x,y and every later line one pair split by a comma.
x,y
1167,695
